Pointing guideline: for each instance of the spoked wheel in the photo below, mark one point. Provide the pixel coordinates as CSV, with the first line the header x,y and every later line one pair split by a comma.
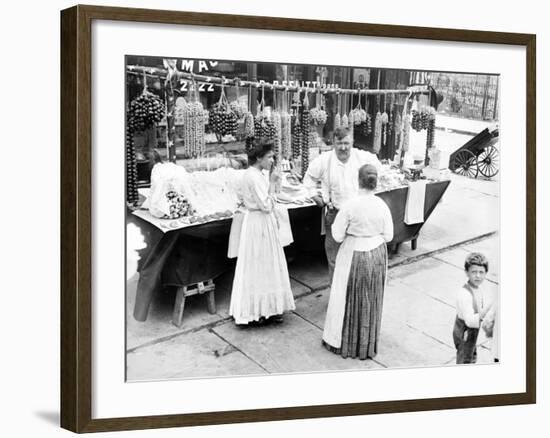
x,y
487,162
465,164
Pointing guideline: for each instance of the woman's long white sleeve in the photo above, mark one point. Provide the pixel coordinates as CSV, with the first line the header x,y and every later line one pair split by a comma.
x,y
387,234
340,225
260,193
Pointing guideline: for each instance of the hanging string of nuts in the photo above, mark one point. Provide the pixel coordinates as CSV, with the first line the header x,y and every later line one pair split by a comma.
x,y
195,117
430,137
249,123
318,114
338,117
263,125
377,141
286,129
365,127
306,126
384,118
359,114
145,111
406,133
223,120
276,120
296,129
132,196
238,106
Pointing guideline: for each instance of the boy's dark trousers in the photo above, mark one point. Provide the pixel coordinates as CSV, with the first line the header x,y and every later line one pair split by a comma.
x,y
465,339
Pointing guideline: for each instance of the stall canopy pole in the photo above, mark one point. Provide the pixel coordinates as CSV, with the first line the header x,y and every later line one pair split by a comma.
x,y
151,71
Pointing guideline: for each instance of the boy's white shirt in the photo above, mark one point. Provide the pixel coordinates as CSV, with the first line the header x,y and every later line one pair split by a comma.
x,y
464,307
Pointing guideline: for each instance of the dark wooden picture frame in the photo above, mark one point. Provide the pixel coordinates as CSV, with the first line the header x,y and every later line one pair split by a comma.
x,y
76,217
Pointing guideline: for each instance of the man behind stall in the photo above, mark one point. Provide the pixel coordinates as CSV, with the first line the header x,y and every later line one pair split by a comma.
x,y
337,171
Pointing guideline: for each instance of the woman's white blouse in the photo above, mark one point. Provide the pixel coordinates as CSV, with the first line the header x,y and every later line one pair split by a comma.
x,y
365,215
255,191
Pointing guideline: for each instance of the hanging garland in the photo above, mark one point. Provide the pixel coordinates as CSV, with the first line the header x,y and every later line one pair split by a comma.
x,y
306,127
359,114
239,107
296,145
430,137
406,133
384,119
338,117
195,117
351,121
277,125
318,114
146,110
132,196
263,125
366,126
249,123
377,141
223,120
286,129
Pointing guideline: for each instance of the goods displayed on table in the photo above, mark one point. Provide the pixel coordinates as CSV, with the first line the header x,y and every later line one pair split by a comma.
x,y
193,197
203,196
214,161
390,178
292,190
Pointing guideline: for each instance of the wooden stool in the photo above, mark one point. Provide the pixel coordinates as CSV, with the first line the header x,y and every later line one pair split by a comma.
x,y
200,288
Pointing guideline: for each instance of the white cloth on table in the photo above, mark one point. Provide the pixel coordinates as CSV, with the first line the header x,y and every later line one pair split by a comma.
x,y
416,196
261,286
363,223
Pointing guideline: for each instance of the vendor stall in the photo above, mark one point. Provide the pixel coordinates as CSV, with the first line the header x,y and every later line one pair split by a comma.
x,y
187,213
198,252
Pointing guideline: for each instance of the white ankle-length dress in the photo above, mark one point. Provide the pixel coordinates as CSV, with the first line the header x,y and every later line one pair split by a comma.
x,y
261,286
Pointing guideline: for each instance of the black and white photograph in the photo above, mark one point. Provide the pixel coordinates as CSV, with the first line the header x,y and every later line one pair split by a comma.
x,y
296,218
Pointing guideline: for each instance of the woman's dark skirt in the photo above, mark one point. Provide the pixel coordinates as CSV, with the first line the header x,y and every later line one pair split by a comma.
x,y
364,298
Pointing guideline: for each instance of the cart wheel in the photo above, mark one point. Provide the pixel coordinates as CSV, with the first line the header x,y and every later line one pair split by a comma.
x,y
465,164
487,162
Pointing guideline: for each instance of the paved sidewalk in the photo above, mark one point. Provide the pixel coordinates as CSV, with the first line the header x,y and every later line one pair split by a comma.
x,y
418,306
416,327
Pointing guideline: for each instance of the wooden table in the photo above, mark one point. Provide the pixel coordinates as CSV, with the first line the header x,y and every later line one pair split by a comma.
x,y
198,253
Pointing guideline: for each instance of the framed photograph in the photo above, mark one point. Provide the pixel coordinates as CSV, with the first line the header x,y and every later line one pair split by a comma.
x,y
269,218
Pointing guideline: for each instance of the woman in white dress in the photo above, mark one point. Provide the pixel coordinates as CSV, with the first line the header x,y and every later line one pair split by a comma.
x,y
261,287
364,225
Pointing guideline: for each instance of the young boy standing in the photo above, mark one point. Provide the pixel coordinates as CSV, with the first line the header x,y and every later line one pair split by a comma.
x,y
473,302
